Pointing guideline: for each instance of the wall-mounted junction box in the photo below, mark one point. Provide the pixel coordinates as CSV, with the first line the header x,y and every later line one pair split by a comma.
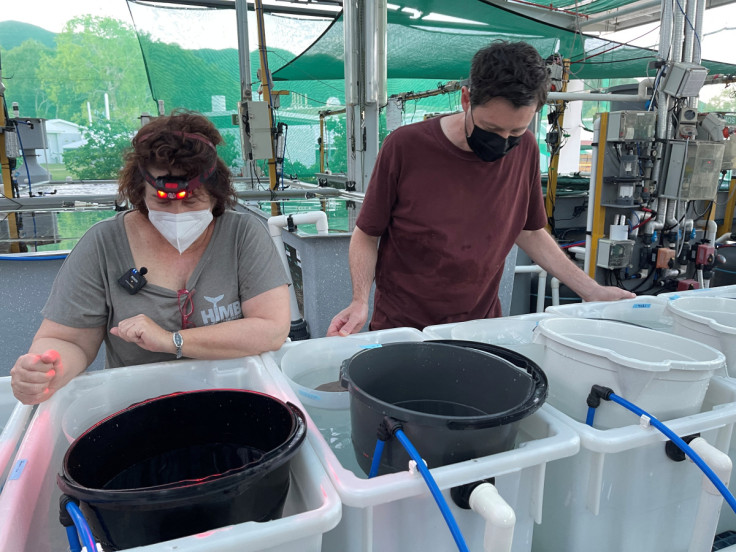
x,y
614,253
631,126
691,169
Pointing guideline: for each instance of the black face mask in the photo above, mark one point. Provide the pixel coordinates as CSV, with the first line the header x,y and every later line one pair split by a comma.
x,y
488,145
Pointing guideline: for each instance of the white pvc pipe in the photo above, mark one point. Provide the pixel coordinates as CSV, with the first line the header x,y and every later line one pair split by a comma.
x,y
275,224
595,97
706,519
541,281
711,228
554,284
499,516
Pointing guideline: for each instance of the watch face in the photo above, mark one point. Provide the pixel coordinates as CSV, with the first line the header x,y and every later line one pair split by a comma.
x,y
178,339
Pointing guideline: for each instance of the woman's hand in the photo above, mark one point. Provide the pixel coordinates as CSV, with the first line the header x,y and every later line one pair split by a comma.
x,y
145,333
34,378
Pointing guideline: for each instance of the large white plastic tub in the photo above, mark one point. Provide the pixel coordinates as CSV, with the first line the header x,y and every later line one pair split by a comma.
x,y
622,493
664,374
312,363
512,332
710,320
29,504
13,420
396,513
721,291
647,311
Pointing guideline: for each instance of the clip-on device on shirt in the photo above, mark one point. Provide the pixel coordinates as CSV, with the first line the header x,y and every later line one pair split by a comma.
x,y
133,280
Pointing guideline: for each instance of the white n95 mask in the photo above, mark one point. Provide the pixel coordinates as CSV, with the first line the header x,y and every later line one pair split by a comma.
x,y
180,229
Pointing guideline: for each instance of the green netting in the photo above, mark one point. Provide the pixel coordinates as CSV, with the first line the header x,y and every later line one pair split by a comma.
x,y
590,8
441,47
192,61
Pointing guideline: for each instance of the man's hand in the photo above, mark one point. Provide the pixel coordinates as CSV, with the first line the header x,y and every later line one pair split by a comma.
x,y
35,378
608,293
348,321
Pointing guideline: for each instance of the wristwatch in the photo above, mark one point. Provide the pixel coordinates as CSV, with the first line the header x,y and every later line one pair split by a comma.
x,y
178,342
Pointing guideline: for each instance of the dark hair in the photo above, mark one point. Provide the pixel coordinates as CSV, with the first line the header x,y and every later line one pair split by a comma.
x,y
162,144
513,71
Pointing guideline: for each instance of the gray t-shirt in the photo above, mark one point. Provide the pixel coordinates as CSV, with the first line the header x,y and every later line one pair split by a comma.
x,y
239,263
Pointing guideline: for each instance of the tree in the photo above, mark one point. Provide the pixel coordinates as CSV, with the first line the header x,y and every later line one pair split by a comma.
x,y
725,101
21,65
101,157
96,56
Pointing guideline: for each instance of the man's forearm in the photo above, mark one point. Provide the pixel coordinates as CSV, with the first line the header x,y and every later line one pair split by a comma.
x,y
362,257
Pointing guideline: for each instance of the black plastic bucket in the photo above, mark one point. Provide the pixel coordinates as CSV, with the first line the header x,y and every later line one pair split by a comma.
x,y
183,464
456,400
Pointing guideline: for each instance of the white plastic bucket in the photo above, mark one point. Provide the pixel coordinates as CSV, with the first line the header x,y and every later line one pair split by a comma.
x,y
513,332
309,365
663,374
710,320
649,312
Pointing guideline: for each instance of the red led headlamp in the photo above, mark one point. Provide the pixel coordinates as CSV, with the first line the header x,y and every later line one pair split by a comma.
x,y
178,187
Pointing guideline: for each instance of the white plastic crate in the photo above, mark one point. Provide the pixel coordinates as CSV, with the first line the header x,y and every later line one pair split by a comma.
x,y
621,491
396,512
29,504
13,420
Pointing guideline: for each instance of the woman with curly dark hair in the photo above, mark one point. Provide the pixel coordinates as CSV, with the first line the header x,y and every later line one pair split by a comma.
x,y
213,285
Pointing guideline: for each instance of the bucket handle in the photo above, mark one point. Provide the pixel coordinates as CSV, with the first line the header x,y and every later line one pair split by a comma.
x,y
344,380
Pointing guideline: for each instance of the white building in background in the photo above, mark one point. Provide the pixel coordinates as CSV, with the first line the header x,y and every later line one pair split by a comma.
x,y
61,135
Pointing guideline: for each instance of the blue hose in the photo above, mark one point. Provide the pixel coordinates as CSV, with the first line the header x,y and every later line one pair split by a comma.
x,y
44,258
591,415
73,538
376,462
683,446
82,526
435,490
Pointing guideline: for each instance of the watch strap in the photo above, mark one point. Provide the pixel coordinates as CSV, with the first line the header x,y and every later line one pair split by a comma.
x,y
178,342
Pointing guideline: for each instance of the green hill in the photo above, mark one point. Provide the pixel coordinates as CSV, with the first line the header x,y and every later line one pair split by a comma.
x,y
14,33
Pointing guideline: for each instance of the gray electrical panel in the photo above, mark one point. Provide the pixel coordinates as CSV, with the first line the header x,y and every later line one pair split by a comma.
x,y
692,170
631,126
256,130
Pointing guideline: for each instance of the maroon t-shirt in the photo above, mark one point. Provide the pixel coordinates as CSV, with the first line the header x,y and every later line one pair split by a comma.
x,y
446,221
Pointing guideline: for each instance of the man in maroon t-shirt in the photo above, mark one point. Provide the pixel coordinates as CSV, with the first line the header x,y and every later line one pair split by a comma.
x,y
447,200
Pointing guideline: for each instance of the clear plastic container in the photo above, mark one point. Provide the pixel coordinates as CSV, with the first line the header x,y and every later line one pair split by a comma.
x,y
622,492
29,504
396,513
13,420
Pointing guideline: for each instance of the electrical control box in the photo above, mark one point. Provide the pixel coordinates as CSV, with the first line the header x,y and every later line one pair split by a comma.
x,y
684,80
614,253
31,132
691,170
631,126
256,130
665,257
705,255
